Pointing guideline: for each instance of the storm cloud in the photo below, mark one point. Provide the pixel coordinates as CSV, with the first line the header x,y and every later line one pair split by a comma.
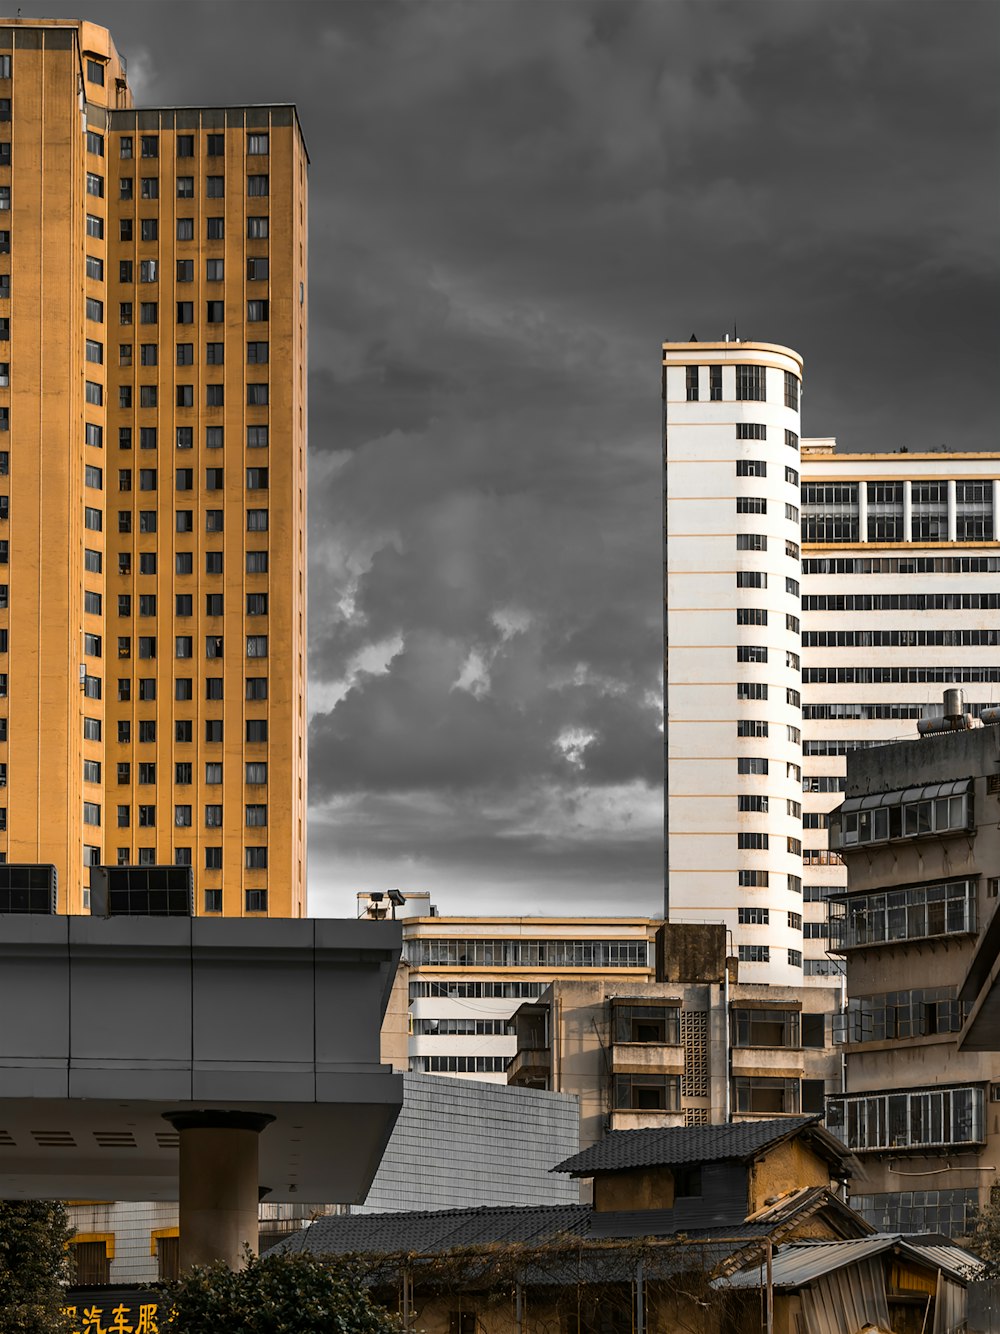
x,y
512,204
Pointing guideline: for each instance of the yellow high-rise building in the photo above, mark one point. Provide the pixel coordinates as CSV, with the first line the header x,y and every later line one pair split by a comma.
x,y
153,475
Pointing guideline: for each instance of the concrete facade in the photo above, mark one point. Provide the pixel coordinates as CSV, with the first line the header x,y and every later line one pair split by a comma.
x,y
920,835
702,1049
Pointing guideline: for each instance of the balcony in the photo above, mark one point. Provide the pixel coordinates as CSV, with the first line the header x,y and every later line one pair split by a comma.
x,y
641,1058
782,1061
530,1067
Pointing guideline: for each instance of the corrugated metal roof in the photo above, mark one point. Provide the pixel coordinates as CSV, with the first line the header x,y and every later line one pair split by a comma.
x,y
663,1147
800,1263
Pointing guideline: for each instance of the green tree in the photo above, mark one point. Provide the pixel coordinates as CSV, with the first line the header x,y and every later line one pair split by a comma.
x,y
278,1294
34,1266
984,1238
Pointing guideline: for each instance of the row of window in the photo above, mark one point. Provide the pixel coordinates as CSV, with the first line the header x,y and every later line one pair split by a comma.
x,y
256,479
256,818
254,773
758,801
258,186
901,565
93,519
916,1012
150,270
908,1120
753,879
892,493
256,728
900,638
758,616
258,142
759,690
256,603
257,437
529,953
758,505
906,819
256,646
754,727
215,395
258,229
758,542
755,764
758,653
755,916
758,467
257,311
463,1027
777,1028
857,712
832,526
256,563
901,675
477,990
901,602
257,353
751,386
758,579
762,954
950,1213
941,909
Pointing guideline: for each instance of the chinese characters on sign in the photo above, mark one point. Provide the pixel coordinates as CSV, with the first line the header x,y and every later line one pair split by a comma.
x,y
114,1319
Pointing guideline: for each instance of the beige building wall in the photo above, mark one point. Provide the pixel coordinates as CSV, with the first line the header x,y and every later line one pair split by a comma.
x,y
156,476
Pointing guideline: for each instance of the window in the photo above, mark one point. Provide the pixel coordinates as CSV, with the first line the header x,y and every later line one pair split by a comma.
x,y
255,773
751,382
765,1096
751,579
648,1092
213,817
215,395
755,917
184,479
691,383
938,908
791,391
215,312
751,616
214,520
215,145
213,562
258,270
257,229
752,803
149,187
257,395
147,521
213,687
751,727
215,353
256,521
753,842
95,312
147,271
93,477
257,145
216,228
183,646
95,271
256,312
95,187
256,900
184,562
256,815
754,954
215,186
213,604
908,1119
147,312
183,688
256,437
183,730
751,505
125,312
751,431
184,521
256,688
256,646
751,764
255,859
751,542
185,395
185,312
92,519
213,646
256,604
751,653
215,270
213,774
751,468
257,186
125,146
256,729
765,1028
256,562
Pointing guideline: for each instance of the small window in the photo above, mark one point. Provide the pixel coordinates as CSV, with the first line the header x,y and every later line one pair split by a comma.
x,y
185,354
215,145
125,187
258,186
185,230
257,269
215,312
256,312
257,229
185,145
149,229
215,270
185,190
95,74
125,146
256,900
257,395
215,395
215,354
216,228
215,186
257,145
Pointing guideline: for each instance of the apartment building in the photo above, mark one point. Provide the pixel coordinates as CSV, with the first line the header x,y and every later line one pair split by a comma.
x,y
695,1047
466,976
787,649
918,832
153,474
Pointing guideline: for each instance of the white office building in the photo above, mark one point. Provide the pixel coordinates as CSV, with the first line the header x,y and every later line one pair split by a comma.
x,y
893,595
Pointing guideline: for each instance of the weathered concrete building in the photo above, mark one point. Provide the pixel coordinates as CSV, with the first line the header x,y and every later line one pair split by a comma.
x,y
920,834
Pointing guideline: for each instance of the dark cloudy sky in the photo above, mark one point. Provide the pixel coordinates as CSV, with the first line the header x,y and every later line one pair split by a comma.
x,y
513,202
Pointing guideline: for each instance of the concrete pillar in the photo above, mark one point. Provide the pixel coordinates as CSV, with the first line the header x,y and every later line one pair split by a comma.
x,y
218,1185
907,512
952,512
863,511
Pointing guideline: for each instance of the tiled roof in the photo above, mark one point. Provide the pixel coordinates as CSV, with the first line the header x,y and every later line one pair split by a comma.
x,y
425,1231
670,1145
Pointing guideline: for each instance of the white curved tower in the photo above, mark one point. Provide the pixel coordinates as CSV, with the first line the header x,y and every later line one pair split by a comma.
x,y
732,680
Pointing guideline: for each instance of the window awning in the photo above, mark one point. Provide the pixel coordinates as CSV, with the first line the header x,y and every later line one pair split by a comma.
x,y
903,796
